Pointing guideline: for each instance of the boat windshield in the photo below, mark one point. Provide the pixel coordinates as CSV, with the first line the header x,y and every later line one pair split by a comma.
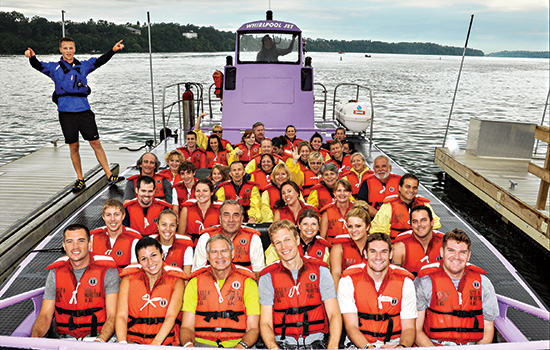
x,y
269,48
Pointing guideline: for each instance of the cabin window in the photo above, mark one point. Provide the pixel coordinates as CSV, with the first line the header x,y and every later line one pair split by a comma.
x,y
269,48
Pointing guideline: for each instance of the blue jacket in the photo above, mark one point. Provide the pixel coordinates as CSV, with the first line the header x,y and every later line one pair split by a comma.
x,y
70,80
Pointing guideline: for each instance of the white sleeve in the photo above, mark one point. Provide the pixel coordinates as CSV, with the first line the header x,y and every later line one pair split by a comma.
x,y
408,304
175,197
257,256
188,257
346,295
133,258
199,260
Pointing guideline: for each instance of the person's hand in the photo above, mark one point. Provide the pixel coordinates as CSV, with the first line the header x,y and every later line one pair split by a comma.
x,y
295,155
118,46
29,53
294,36
203,114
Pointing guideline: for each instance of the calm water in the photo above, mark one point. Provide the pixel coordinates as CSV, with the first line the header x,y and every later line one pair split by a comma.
x,y
412,96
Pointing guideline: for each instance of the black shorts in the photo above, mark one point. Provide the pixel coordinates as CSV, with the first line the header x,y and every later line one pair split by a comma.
x,y
74,122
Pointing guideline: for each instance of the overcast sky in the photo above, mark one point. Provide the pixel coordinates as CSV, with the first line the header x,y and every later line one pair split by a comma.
x,y
498,24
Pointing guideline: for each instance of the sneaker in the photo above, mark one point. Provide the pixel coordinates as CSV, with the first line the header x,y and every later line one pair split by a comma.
x,y
78,186
113,179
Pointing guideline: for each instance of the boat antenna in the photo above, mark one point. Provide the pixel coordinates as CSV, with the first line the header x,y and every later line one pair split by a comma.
x,y
63,23
151,69
458,80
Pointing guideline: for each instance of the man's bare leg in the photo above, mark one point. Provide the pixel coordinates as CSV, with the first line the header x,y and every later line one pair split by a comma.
x,y
101,156
75,158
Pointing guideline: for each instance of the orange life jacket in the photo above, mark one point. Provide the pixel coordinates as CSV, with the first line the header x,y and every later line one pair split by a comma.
x,y
315,249
274,195
378,311
146,225
241,243
80,307
167,174
121,251
197,157
298,309
350,252
378,191
415,256
353,177
400,214
337,224
325,196
159,187
183,193
147,307
221,315
247,154
244,195
450,316
261,179
286,213
310,180
175,254
344,166
212,159
196,223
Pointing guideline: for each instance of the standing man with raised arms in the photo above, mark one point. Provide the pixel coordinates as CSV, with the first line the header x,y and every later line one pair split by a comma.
x,y
71,96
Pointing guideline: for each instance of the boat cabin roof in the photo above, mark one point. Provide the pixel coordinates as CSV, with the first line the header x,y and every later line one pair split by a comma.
x,y
269,26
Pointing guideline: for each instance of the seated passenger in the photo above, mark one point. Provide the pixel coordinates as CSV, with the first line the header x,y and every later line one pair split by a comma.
x,y
272,192
177,250
173,159
199,213
338,157
192,153
419,247
148,164
300,156
290,206
347,249
322,194
266,147
85,310
297,297
333,215
270,53
309,177
348,147
311,243
290,138
243,190
114,239
393,216
246,150
215,153
218,174
202,139
279,148
378,299
185,189
250,253
259,132
142,212
316,142
466,313
358,173
150,298
376,187
262,175
221,304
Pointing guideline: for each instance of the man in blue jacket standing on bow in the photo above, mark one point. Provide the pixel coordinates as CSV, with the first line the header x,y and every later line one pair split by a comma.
x,y
71,96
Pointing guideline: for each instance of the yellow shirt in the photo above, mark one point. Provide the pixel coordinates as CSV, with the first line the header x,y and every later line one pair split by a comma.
x,y
251,303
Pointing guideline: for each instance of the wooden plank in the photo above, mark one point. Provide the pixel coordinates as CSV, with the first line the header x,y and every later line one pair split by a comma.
x,y
544,185
540,172
513,204
542,133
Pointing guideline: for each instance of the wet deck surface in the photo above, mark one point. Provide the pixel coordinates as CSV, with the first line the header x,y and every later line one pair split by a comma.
x,y
506,280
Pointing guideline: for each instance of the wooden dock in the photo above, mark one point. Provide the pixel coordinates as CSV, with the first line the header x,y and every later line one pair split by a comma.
x,y
35,194
507,185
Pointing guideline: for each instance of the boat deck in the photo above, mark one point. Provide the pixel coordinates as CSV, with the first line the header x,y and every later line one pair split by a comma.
x,y
505,278
504,184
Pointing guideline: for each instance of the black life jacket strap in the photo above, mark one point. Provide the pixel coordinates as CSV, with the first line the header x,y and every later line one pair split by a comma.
x,y
144,320
379,318
147,336
208,315
304,324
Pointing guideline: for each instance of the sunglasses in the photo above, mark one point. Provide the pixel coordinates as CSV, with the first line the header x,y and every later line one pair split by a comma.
x,y
217,131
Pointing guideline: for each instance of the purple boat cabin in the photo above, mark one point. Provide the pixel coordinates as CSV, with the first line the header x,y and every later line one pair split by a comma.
x,y
269,81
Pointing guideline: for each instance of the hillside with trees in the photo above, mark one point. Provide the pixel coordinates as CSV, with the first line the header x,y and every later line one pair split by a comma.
x,y
18,32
